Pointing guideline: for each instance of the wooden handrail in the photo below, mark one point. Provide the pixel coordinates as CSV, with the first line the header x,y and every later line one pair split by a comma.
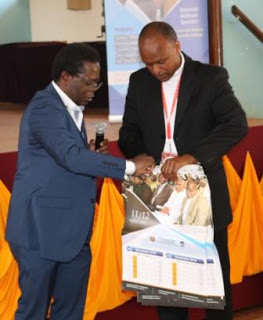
x,y
215,32
247,22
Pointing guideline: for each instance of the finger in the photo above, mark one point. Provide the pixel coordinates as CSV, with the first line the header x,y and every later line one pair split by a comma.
x,y
163,168
105,141
92,146
103,150
172,172
150,169
168,169
163,171
104,147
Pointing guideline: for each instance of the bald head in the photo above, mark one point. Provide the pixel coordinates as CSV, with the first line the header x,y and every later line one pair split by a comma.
x,y
158,27
160,50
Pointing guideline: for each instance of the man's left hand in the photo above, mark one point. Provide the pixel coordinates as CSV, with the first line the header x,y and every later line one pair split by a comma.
x,y
104,146
171,166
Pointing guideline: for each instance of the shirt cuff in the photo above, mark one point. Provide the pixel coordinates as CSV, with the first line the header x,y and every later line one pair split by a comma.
x,y
130,167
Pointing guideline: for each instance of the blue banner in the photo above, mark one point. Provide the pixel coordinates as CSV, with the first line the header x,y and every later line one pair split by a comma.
x,y
124,21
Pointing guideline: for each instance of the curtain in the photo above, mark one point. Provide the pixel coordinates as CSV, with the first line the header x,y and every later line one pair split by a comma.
x,y
104,290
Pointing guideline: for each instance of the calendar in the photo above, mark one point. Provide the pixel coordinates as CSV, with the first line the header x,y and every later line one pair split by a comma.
x,y
169,257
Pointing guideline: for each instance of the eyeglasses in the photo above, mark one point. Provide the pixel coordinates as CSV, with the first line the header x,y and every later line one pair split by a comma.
x,y
94,86
91,85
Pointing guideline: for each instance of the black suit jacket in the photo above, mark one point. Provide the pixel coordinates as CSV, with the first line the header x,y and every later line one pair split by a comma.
x,y
209,122
163,196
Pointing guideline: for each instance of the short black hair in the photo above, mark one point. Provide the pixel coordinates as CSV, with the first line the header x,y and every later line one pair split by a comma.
x,y
71,57
158,27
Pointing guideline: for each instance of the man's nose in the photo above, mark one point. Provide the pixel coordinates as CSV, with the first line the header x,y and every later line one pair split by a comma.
x,y
156,69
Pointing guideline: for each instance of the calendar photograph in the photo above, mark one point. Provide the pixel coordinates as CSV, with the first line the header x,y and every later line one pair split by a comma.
x,y
168,253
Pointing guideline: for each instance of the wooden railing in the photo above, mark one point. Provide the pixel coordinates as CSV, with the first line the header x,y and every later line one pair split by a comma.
x,y
247,22
215,32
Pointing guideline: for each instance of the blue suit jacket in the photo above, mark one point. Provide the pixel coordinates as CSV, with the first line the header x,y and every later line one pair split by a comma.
x,y
52,202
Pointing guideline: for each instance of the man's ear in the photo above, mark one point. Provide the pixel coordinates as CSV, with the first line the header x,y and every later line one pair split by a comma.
x,y
177,46
65,76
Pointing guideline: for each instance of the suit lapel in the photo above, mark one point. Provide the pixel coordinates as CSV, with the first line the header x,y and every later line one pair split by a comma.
x,y
82,134
185,92
156,100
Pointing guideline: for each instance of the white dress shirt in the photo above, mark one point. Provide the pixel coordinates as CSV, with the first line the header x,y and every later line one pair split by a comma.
x,y
169,89
76,113
174,204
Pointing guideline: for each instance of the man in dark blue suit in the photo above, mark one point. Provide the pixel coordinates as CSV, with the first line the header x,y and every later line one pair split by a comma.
x,y
52,204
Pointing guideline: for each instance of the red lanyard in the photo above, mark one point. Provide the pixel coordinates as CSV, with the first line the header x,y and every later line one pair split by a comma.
x,y
169,116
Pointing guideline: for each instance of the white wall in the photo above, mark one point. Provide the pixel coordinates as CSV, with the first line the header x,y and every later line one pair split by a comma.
x,y
243,54
14,21
52,21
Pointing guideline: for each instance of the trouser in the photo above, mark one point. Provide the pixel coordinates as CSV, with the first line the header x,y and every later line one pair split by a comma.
x,y
172,313
42,279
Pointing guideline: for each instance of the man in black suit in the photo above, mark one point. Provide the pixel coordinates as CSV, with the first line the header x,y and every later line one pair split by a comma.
x,y
186,108
161,194
142,190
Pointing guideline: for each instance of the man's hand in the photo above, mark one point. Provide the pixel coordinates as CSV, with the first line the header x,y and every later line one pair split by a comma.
x,y
171,166
143,164
104,146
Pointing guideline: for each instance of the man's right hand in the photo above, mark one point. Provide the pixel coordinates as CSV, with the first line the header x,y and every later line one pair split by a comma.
x,y
144,164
